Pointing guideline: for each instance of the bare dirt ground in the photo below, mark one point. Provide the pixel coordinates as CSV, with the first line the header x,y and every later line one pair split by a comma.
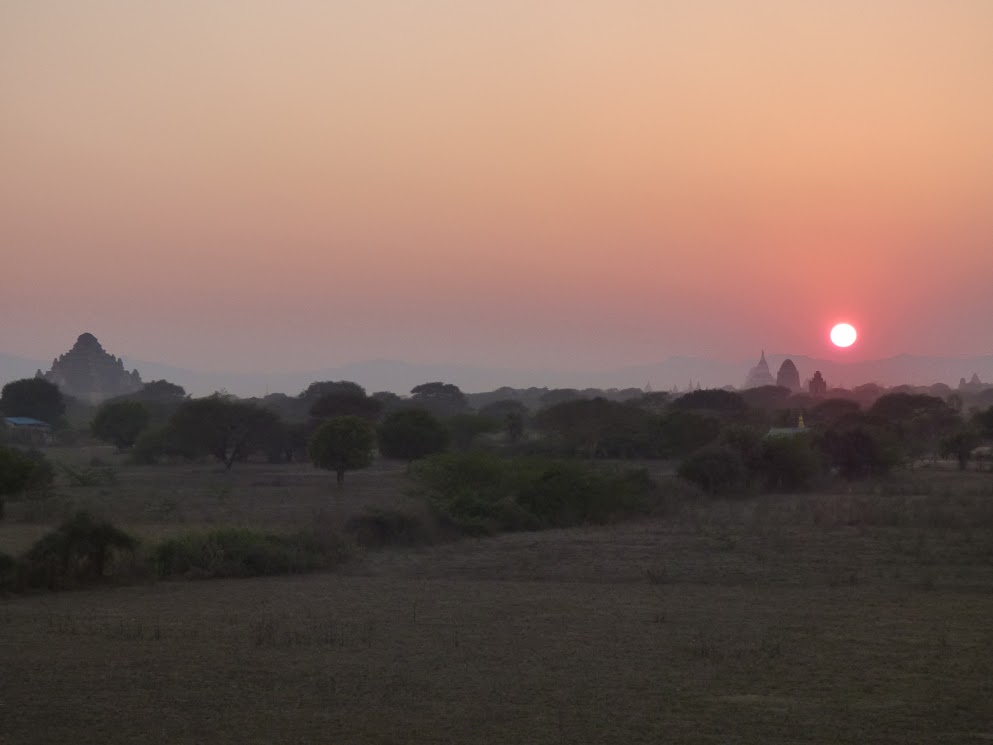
x,y
833,618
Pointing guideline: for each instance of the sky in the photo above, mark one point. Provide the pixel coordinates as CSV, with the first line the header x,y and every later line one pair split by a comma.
x,y
271,186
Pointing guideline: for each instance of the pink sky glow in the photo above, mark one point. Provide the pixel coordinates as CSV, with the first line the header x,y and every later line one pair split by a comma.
x,y
270,186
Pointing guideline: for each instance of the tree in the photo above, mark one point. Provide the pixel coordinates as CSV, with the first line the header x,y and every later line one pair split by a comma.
x,y
559,396
654,401
960,445
833,410
984,422
682,432
411,433
789,463
20,472
33,397
511,413
858,451
466,427
120,422
441,399
747,442
346,403
584,424
341,444
162,390
320,388
917,420
716,469
766,396
221,426
715,400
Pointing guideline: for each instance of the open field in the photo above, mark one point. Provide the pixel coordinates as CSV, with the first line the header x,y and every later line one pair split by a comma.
x,y
839,618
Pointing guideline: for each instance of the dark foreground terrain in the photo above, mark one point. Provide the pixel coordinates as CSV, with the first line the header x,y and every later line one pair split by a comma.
x,y
841,618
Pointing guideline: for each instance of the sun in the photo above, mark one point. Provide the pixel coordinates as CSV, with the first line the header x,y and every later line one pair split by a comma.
x,y
843,335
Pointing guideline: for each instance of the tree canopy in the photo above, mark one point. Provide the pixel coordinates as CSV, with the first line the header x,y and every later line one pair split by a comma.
x,y
321,388
441,399
120,422
346,403
711,399
411,433
33,397
223,427
342,444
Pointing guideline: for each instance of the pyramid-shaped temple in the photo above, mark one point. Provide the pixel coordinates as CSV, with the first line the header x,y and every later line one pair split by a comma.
x,y
89,373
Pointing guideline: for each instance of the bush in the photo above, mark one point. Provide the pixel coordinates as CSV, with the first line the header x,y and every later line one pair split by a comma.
x,y
242,552
376,528
479,494
717,469
25,473
158,444
80,550
789,463
88,475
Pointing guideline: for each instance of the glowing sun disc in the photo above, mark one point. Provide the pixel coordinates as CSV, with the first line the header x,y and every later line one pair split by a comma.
x,y
843,335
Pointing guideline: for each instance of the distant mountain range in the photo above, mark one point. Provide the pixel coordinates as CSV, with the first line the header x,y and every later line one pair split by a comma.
x,y
400,377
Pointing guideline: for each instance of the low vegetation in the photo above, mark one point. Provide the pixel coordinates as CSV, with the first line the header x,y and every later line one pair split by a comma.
x,y
481,494
243,552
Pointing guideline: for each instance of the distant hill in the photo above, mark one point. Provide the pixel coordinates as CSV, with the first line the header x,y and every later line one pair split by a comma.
x,y
400,377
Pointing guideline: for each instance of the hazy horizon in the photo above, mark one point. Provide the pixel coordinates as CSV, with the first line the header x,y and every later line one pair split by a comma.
x,y
567,185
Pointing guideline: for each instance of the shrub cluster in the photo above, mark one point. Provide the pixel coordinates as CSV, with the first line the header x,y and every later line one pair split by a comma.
x,y
243,552
481,494
80,551
376,528
84,550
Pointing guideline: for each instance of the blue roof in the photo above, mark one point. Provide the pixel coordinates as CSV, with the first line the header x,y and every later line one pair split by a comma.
x,y
25,421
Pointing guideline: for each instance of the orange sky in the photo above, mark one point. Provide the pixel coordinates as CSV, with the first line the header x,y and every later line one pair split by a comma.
x,y
246,184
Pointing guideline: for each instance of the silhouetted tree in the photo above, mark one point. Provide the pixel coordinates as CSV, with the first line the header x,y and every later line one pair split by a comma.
x,y
321,388
559,396
411,433
510,413
918,421
832,411
342,444
120,422
789,463
766,397
465,428
858,451
16,471
162,389
35,398
584,424
346,403
441,399
960,445
682,432
715,400
223,427
717,469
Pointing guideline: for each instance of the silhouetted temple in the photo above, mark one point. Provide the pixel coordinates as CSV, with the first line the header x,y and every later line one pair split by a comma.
x,y
89,373
788,376
760,375
817,384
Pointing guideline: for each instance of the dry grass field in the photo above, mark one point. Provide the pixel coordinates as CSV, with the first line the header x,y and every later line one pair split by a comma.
x,y
841,618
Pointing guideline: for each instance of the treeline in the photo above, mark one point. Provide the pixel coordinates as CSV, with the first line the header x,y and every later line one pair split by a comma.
x,y
726,440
